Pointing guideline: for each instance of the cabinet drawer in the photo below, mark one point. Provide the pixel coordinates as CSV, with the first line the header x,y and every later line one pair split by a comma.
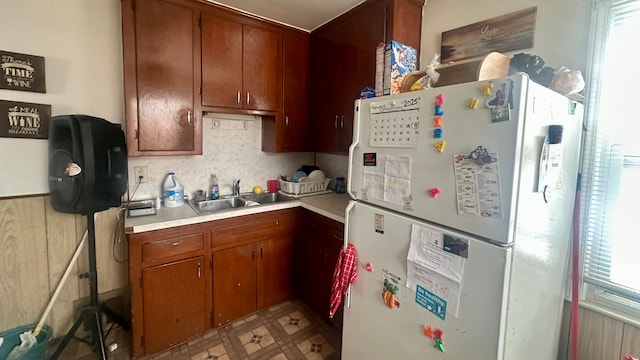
x,y
171,247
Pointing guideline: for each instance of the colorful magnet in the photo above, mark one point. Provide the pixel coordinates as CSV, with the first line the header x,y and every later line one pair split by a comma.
x,y
437,133
480,156
439,100
369,267
486,89
440,145
439,345
438,111
428,331
434,192
438,334
473,103
437,121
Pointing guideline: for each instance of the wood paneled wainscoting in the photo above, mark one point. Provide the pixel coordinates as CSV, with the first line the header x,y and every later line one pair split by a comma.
x,y
601,337
36,245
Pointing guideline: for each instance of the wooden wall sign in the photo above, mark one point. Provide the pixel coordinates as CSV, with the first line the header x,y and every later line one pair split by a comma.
x,y
22,72
514,31
24,120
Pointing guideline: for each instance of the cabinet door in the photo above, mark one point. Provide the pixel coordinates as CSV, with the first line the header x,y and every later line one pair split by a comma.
x,y
234,283
221,62
275,275
260,68
326,79
164,72
174,303
295,90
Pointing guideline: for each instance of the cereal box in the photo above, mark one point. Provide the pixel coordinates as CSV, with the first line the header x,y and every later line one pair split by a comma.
x,y
399,60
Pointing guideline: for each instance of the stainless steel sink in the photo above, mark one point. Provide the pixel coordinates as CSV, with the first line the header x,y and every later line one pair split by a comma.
x,y
233,202
267,198
208,206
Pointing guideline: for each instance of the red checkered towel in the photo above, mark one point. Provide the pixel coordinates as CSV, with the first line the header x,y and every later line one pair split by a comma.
x,y
345,273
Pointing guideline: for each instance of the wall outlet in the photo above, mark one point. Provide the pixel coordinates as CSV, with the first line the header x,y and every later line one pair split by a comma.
x,y
140,174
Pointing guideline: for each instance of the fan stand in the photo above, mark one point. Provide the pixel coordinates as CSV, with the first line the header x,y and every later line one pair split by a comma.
x,y
94,309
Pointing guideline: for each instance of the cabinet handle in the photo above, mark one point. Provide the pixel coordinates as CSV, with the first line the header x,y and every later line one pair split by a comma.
x,y
176,243
238,97
261,252
335,122
338,237
189,117
253,254
199,267
248,98
342,122
286,121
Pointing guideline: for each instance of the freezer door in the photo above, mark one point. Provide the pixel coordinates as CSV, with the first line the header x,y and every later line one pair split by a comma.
x,y
371,330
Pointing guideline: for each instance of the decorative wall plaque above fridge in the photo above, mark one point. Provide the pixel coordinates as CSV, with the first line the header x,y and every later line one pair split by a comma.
x,y
509,32
22,72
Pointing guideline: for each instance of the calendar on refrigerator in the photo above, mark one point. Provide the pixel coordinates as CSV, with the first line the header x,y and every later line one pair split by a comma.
x,y
395,123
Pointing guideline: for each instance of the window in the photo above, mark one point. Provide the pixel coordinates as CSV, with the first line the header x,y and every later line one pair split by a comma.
x,y
611,159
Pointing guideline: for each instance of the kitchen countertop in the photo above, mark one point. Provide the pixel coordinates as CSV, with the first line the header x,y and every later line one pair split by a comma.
x,y
330,205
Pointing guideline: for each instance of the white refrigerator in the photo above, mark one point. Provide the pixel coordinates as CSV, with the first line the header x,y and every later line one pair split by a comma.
x,y
462,200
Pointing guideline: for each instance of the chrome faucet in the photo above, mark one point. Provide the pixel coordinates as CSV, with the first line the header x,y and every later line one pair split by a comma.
x,y
235,188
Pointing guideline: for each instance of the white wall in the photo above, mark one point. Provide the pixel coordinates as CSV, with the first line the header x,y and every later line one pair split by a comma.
x,y
81,43
561,32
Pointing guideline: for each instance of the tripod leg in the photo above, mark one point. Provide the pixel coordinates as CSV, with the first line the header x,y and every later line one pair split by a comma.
x,y
98,333
69,335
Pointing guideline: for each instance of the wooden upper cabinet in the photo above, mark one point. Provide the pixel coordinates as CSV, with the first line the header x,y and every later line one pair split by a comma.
x,y
260,68
343,63
221,62
159,37
239,65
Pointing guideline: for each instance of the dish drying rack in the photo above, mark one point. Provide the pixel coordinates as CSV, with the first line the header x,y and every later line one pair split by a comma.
x,y
304,188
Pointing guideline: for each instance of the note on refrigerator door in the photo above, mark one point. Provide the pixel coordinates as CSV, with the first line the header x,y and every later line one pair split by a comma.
x,y
389,179
478,186
434,269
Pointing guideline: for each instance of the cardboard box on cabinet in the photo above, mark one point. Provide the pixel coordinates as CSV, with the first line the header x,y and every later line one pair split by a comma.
x,y
399,60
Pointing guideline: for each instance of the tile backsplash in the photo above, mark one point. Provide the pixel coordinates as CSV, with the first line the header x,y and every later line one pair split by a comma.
x,y
231,150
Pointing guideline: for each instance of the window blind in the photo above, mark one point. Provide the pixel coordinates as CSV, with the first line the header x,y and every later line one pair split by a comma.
x,y
607,159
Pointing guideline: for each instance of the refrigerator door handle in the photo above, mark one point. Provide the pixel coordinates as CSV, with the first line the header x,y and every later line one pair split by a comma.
x,y
354,144
347,211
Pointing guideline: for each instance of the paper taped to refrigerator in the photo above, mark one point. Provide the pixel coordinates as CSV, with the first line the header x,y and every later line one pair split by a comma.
x,y
478,187
436,270
389,180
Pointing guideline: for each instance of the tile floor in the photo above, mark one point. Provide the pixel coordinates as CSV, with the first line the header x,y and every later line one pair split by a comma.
x,y
287,331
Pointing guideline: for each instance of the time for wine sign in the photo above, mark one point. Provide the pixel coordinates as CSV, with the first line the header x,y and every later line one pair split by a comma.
x,y
22,72
24,120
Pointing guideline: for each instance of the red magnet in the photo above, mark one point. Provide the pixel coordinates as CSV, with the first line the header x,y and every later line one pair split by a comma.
x,y
439,100
434,192
437,121
369,267
438,334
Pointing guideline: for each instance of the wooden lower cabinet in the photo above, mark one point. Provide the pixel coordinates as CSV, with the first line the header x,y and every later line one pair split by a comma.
x,y
256,274
187,279
234,283
317,251
174,303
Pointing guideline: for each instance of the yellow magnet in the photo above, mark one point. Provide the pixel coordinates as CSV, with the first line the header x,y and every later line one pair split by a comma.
x,y
486,89
440,145
473,103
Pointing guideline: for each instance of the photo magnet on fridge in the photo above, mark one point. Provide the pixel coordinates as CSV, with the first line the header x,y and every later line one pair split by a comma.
x,y
369,159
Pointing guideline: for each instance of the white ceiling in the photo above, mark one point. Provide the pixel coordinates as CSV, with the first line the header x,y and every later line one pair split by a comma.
x,y
302,14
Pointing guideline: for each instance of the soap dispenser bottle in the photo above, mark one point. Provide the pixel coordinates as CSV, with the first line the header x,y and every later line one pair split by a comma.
x,y
215,189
